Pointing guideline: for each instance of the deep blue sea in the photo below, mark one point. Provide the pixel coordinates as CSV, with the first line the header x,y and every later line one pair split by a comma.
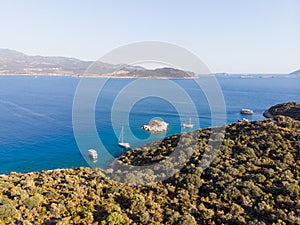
x,y
36,131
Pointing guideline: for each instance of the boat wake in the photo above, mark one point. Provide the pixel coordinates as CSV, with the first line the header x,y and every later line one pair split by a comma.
x,y
23,109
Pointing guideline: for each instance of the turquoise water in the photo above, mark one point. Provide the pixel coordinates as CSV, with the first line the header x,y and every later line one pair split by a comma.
x,y
36,115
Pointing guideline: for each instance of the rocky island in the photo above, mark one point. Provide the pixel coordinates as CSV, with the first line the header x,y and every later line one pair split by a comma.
x,y
156,126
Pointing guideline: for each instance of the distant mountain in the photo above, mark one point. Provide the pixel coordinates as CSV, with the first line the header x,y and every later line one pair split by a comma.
x,y
296,73
14,63
10,54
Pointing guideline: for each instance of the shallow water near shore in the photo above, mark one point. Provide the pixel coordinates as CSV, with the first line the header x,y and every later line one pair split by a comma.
x,y
36,116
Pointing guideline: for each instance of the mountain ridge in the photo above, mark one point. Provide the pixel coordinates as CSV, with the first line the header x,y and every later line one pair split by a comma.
x,y
17,63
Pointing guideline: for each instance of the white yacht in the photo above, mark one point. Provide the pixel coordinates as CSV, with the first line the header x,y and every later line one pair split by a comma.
x,y
247,111
243,120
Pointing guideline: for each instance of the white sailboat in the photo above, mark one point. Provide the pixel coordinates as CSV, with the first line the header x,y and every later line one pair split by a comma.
x,y
188,125
121,140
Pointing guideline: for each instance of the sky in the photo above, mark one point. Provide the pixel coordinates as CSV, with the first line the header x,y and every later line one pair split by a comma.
x,y
234,36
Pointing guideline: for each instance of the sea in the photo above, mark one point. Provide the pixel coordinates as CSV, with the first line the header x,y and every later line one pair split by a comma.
x,y
38,130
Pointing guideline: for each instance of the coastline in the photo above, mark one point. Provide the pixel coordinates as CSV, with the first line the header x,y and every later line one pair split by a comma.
x,y
146,77
37,172
100,76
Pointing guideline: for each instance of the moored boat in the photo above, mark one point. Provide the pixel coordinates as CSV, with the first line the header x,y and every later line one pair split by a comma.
x,y
243,120
247,111
121,140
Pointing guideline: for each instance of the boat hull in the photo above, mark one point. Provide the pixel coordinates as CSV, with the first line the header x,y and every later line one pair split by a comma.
x,y
187,125
247,112
124,145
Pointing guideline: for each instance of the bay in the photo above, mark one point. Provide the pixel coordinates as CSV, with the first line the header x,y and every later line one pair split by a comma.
x,y
36,130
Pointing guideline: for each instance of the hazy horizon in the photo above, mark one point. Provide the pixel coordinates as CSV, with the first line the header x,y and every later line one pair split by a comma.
x,y
228,36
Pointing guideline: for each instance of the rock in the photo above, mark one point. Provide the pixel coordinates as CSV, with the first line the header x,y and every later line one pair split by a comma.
x,y
156,126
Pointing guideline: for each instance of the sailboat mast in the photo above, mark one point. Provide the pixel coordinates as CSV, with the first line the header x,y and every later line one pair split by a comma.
x,y
122,135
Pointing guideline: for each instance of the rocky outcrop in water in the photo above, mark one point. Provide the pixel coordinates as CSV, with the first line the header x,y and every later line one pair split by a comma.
x,y
156,126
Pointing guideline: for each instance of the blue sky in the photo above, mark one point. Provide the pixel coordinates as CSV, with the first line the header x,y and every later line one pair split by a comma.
x,y
237,36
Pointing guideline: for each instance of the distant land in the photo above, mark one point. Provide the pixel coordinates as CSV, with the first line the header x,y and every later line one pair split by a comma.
x,y
296,73
17,63
13,62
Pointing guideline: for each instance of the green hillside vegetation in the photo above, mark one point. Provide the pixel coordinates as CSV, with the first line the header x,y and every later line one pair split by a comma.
x,y
254,179
291,109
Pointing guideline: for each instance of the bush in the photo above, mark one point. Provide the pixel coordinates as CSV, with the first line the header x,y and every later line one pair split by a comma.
x,y
115,218
8,213
33,201
185,220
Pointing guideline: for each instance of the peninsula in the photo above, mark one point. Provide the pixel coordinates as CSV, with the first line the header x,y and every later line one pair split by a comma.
x,y
291,109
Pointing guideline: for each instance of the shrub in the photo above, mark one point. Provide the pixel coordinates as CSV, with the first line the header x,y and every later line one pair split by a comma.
x,y
115,218
8,212
33,201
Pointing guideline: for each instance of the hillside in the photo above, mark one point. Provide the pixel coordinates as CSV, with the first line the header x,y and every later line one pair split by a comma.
x,y
254,179
291,109
17,63
13,62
